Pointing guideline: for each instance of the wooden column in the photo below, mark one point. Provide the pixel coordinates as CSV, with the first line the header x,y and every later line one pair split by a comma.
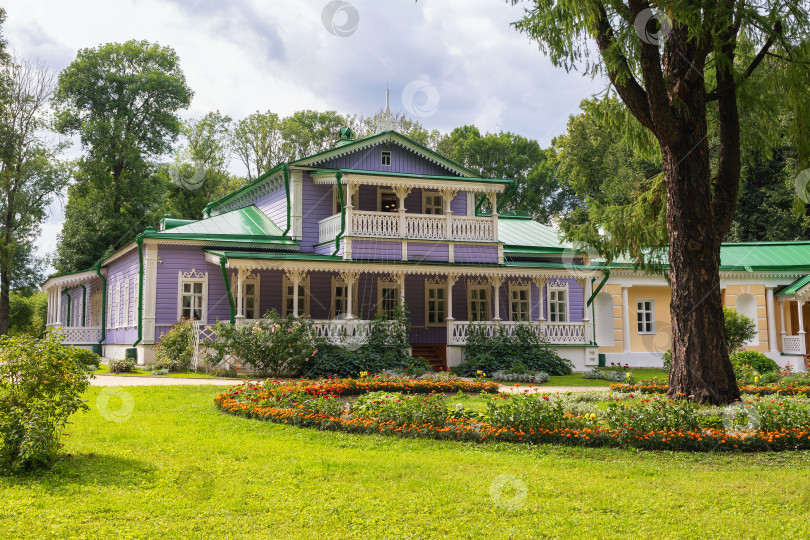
x,y
350,278
240,287
496,282
349,208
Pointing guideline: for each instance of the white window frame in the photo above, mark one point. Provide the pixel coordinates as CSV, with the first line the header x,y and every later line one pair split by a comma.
x,y
385,154
381,284
439,289
95,307
126,314
646,315
252,279
193,277
380,192
111,304
135,296
516,287
425,204
487,289
287,295
119,305
333,311
556,287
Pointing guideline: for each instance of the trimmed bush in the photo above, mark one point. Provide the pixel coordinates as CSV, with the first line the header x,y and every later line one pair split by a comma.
x,y
757,360
522,352
124,365
41,383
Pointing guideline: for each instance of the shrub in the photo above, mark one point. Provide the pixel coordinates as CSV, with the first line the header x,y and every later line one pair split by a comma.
x,y
89,359
739,329
521,352
538,377
613,375
123,365
333,361
403,410
175,350
757,360
273,346
41,383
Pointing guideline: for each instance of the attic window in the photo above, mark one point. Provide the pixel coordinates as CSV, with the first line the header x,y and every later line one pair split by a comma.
x,y
385,158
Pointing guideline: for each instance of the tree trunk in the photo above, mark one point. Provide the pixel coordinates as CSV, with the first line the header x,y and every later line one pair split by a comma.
x,y
701,369
4,301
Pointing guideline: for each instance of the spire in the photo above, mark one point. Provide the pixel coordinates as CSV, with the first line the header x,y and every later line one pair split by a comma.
x,y
386,121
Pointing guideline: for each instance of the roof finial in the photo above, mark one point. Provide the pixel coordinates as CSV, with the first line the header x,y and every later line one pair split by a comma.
x,y
386,120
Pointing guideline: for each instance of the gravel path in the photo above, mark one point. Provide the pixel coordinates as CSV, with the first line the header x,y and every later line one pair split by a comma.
x,y
119,380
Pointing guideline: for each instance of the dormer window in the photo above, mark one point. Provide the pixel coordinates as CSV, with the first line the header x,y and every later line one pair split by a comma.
x,y
385,158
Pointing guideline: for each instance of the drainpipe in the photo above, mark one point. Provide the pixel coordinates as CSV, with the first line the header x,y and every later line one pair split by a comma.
x,y
222,262
68,306
103,305
338,176
84,306
285,171
139,241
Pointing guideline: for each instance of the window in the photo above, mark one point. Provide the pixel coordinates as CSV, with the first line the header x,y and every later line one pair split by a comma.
x,y
478,302
111,306
387,201
387,298
340,298
645,316
385,158
125,303
435,304
192,295
432,203
558,302
289,297
519,295
250,294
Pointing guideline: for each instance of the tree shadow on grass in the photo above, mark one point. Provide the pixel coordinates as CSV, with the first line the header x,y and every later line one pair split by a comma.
x,y
88,469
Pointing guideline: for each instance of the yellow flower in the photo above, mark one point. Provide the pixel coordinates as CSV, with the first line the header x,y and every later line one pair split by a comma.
x,y
628,376
593,416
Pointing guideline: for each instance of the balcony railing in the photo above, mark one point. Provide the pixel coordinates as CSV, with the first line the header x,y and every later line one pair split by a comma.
x,y
411,226
793,344
556,333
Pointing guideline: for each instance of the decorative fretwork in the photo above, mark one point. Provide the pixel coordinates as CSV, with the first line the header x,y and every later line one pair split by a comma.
x,y
193,274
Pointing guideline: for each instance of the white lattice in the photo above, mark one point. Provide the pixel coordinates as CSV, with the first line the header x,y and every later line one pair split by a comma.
x,y
81,335
793,344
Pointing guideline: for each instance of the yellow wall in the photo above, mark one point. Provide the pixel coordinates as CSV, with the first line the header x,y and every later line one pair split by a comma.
x,y
660,341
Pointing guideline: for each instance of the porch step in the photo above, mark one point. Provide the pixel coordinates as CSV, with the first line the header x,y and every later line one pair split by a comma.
x,y
436,355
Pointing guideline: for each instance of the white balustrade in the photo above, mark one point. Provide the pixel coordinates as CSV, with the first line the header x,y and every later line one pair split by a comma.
x,y
417,226
793,344
554,333
345,332
81,335
329,228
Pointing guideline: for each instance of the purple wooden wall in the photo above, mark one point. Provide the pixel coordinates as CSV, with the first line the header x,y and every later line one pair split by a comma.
x,y
174,259
428,251
380,250
317,205
402,161
474,254
123,330
274,206
575,301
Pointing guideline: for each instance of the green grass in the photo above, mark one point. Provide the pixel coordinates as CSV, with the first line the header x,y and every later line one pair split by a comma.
x,y
576,379
104,369
178,468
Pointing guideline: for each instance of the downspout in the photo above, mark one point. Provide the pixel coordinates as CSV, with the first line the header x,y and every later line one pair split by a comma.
x,y
338,176
222,261
593,296
68,307
285,171
139,241
84,306
103,303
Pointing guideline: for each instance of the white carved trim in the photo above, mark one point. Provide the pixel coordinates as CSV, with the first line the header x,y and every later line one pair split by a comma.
x,y
192,277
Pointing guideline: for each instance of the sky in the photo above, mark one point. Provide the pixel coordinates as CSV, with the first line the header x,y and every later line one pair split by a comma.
x,y
447,62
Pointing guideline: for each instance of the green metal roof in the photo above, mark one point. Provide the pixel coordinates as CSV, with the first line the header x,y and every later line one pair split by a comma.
x,y
794,287
247,224
753,256
521,235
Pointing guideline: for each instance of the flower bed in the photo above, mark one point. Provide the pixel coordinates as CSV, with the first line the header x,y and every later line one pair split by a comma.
x,y
652,423
654,387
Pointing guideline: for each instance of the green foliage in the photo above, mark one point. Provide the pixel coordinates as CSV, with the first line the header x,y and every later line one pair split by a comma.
x,y
652,415
175,350
41,383
122,100
273,346
27,314
739,329
757,360
526,412
87,358
521,352
333,361
403,410
538,377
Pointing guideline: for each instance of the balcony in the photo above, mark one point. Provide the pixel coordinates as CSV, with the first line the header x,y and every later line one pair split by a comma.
x,y
410,226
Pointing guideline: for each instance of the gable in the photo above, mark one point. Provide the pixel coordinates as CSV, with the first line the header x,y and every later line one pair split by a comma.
x,y
403,160
357,151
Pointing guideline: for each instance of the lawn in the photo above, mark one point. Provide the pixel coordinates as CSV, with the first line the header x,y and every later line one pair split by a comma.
x,y
178,468
576,379
104,369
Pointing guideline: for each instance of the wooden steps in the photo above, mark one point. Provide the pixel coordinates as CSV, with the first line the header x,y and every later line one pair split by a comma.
x,y
436,355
